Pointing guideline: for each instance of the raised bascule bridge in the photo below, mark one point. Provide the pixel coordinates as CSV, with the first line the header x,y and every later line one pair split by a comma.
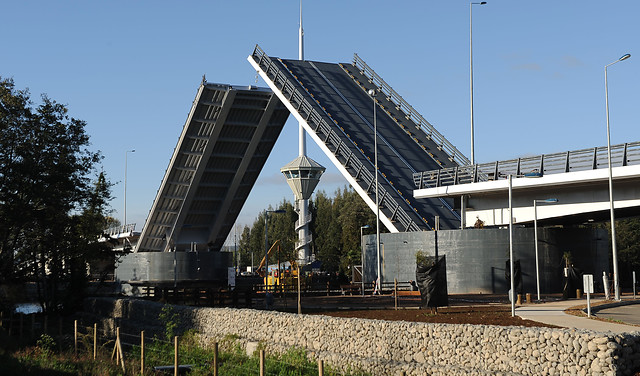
x,y
231,130
333,103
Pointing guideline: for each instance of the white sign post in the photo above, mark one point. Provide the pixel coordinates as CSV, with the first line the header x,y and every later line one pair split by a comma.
x,y
587,281
634,285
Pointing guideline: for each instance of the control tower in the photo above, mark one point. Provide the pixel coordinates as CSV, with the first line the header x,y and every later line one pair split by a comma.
x,y
303,175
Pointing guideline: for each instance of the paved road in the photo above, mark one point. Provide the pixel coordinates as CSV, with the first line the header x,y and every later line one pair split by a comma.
x,y
553,313
629,314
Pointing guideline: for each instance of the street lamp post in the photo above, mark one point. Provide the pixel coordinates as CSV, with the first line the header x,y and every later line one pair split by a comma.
x,y
372,93
513,292
126,153
616,277
362,256
535,231
473,160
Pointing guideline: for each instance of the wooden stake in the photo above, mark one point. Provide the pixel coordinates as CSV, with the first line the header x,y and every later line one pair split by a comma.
x,y
262,363
75,336
142,352
175,360
46,324
320,367
95,340
33,325
21,324
215,359
119,346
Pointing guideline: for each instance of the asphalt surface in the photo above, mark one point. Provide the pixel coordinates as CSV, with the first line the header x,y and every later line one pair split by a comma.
x,y
629,314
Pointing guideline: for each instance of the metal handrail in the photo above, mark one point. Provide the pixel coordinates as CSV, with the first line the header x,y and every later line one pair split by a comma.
x,y
333,141
626,154
411,113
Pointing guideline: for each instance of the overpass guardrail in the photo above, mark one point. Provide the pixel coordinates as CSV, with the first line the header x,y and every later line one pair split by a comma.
x,y
626,154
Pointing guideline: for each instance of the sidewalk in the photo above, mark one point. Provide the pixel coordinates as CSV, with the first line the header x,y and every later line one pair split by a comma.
x,y
553,313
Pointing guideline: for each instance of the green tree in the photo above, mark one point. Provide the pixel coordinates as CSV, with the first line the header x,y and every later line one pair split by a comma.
x,y
51,209
628,244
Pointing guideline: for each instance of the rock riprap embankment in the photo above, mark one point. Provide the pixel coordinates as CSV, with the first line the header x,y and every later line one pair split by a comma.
x,y
393,347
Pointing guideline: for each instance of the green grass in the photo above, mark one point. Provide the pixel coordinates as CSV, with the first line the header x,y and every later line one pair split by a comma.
x,y
43,358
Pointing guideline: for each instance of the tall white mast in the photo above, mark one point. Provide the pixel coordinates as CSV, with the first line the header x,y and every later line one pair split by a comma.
x,y
302,140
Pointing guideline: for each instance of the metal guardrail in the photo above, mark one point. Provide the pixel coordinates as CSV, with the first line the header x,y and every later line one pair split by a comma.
x,y
571,161
411,113
112,231
283,80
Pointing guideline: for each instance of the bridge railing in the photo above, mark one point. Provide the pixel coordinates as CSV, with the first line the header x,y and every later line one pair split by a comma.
x,y
453,152
283,80
571,161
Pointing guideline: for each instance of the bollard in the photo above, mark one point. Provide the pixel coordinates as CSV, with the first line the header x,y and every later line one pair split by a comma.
x,y
262,363
519,301
528,297
46,324
320,367
578,294
215,359
33,325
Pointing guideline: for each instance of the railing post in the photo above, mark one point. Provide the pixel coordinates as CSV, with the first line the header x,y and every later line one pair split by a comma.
x,y
395,292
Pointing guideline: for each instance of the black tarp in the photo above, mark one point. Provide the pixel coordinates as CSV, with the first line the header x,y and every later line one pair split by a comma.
x,y
572,281
432,282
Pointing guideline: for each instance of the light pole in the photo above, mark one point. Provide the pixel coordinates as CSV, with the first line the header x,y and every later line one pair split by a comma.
x,y
372,93
616,278
535,232
266,245
513,292
473,160
362,256
126,154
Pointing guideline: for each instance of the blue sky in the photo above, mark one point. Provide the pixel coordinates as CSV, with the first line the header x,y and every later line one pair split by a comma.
x,y
131,70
